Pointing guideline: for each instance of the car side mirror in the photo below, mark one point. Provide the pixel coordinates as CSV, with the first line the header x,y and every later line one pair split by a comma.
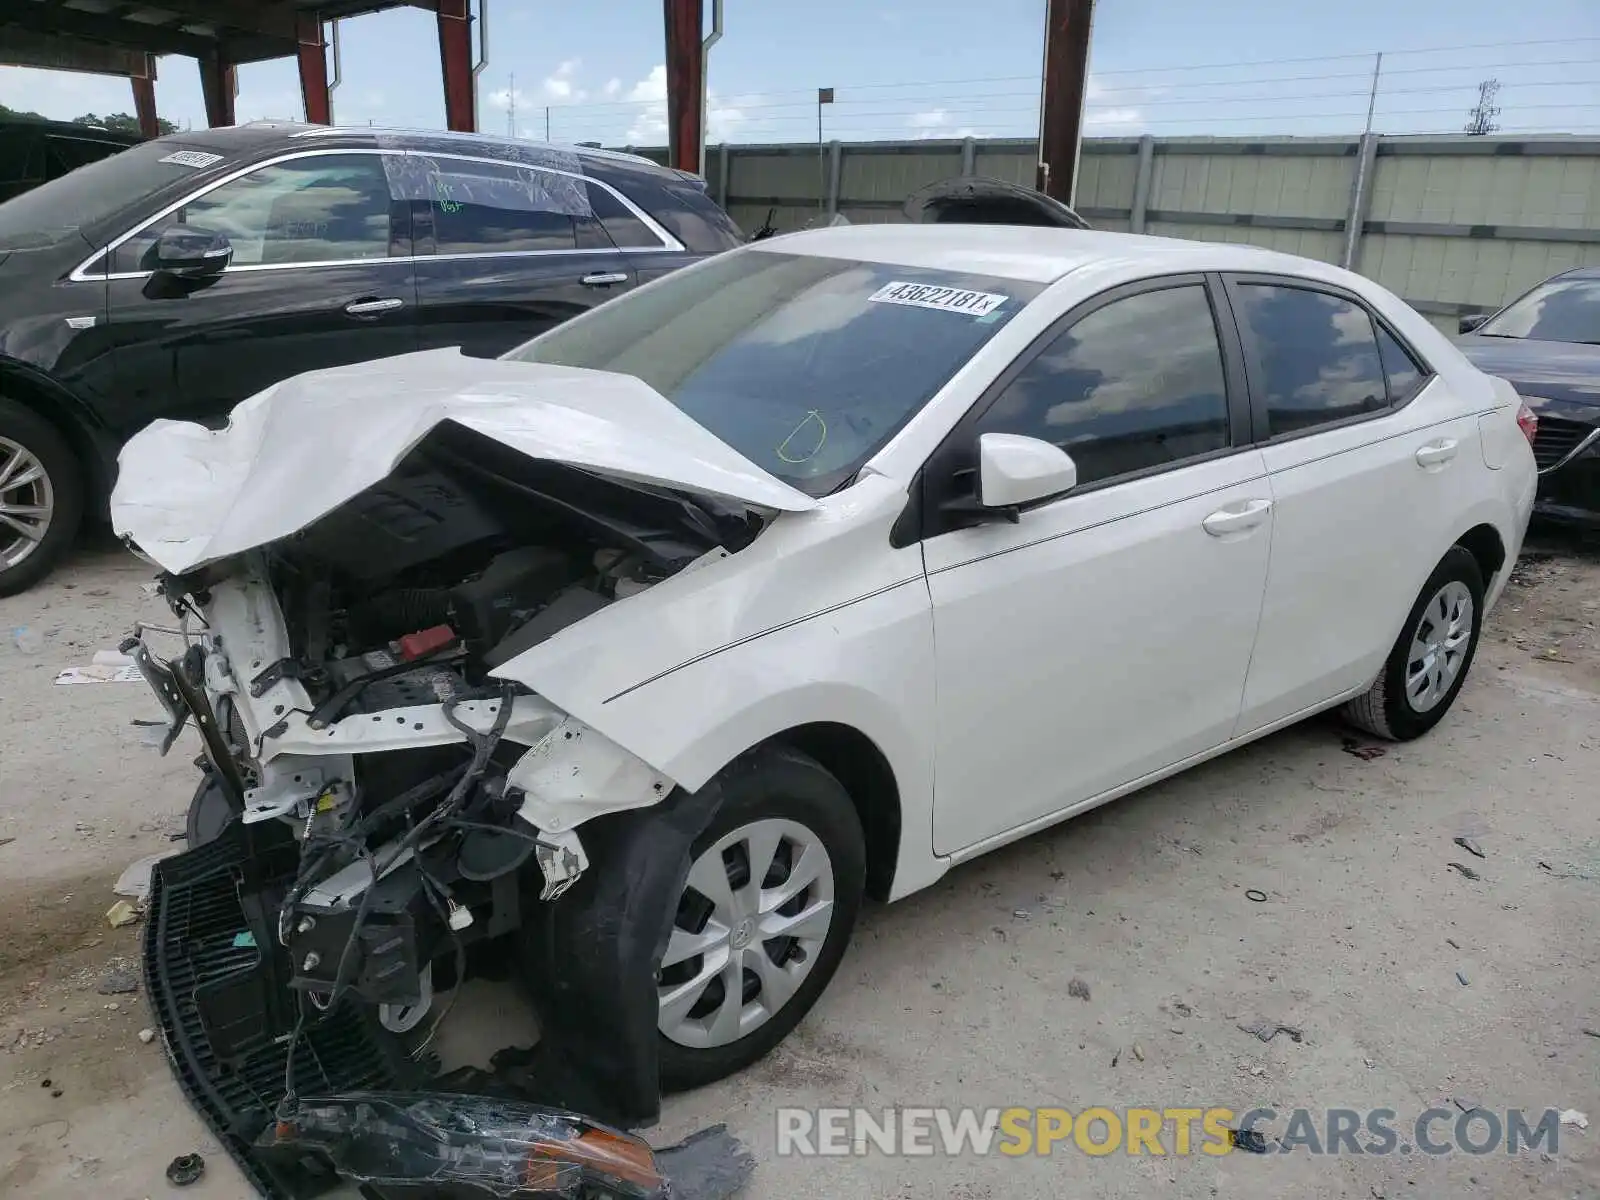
x,y
191,253
1471,321
1014,470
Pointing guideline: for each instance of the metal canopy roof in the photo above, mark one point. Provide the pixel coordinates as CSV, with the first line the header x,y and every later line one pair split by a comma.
x,y
113,36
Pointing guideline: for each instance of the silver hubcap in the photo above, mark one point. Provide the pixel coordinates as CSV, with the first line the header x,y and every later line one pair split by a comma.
x,y
750,926
1439,646
27,502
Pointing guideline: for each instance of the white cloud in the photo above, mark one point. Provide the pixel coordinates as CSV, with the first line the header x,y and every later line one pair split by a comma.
x,y
612,89
559,87
937,123
502,97
649,124
1112,118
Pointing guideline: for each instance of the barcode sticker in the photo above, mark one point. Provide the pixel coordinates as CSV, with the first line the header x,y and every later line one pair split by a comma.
x,y
192,158
949,299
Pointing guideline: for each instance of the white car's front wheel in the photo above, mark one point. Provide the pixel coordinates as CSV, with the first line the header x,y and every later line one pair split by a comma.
x,y
763,919
1429,662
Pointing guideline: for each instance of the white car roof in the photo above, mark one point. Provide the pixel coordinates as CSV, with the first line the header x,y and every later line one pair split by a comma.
x,y
1036,254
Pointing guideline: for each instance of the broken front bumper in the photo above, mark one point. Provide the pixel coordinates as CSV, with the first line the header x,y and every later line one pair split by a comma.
x,y
217,982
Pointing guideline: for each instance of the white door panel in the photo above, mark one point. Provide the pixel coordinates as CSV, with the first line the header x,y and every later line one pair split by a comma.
x,y
1361,515
1104,636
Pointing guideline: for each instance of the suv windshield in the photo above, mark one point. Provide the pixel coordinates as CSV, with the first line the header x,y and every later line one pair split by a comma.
x,y
805,365
96,191
1562,310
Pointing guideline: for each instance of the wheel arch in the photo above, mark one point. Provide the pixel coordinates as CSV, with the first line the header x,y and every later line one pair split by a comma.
x,y
50,401
1484,543
863,769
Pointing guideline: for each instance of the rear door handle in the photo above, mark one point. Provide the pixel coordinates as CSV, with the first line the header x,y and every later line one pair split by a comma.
x,y
373,307
604,278
1436,454
1237,518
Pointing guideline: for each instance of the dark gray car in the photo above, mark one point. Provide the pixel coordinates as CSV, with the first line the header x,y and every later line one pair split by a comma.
x,y
188,273
1547,344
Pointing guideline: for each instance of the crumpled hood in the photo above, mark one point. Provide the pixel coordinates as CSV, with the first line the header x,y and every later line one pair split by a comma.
x,y
189,495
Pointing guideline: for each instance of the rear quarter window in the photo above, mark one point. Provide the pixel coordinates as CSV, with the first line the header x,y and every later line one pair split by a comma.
x,y
684,210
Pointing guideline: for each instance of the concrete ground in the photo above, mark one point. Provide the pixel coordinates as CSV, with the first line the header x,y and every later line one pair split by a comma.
x,y
1412,984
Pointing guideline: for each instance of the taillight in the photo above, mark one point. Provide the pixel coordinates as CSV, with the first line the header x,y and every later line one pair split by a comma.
x,y
1528,422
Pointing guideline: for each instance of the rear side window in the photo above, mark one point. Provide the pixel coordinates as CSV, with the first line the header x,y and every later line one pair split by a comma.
x,y
623,228
683,209
497,208
1317,356
1405,376
1136,384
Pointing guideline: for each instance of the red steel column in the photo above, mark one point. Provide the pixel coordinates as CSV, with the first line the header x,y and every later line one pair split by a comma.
x,y
685,81
219,82
455,60
1066,75
144,98
313,68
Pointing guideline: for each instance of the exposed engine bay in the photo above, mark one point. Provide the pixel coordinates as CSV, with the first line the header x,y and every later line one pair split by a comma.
x,y
343,683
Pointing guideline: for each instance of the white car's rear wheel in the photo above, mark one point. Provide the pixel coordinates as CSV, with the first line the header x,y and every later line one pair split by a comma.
x,y
763,919
1429,662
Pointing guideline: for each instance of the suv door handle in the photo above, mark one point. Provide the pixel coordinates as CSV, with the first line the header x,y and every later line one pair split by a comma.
x,y
604,278
1236,518
372,307
1436,454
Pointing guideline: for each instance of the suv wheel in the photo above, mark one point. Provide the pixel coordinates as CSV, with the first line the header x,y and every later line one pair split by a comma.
x,y
41,497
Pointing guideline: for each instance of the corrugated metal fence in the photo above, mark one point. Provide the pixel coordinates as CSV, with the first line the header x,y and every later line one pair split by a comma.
x,y
1454,224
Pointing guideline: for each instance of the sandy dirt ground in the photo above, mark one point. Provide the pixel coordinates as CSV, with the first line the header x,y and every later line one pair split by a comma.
x,y
1413,985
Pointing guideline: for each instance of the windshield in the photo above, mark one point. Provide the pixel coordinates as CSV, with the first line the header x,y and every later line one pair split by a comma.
x,y
1562,310
805,365
93,192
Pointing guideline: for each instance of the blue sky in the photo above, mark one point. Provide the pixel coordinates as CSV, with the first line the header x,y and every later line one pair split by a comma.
x,y
937,68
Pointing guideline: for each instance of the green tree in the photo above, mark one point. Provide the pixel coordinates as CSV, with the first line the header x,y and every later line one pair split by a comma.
x,y
122,123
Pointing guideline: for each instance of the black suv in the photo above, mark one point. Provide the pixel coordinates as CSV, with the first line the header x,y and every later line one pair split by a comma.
x,y
190,272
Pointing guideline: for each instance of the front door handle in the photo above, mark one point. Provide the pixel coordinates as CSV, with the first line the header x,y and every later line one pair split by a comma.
x,y
604,278
372,307
1236,518
1436,454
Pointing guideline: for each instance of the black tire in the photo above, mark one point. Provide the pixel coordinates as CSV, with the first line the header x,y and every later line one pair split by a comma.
x,y
210,813
1385,710
784,784
65,474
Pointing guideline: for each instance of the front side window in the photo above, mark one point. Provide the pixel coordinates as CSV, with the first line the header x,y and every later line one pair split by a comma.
x,y
805,365
1135,384
325,208
1317,354
1560,310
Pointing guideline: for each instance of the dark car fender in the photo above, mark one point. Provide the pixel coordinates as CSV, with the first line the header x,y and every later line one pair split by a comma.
x,y
91,441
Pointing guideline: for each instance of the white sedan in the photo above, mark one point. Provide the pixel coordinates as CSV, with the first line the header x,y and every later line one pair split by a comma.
x,y
799,576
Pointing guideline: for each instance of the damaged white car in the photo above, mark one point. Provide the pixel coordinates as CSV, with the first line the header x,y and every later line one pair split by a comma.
x,y
634,660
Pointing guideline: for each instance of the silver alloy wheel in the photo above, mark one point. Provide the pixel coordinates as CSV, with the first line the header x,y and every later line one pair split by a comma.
x,y
750,926
1439,646
27,502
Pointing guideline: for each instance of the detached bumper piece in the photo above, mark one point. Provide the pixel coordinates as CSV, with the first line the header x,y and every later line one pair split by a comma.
x,y
401,1145
217,982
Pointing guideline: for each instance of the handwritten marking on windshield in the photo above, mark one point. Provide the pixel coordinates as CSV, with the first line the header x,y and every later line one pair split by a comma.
x,y
787,453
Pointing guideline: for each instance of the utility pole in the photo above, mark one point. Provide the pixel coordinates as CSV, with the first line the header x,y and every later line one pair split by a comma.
x,y
1481,119
1372,97
511,106
824,96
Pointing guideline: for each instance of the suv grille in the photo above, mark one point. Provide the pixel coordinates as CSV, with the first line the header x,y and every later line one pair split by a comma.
x,y
1557,438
